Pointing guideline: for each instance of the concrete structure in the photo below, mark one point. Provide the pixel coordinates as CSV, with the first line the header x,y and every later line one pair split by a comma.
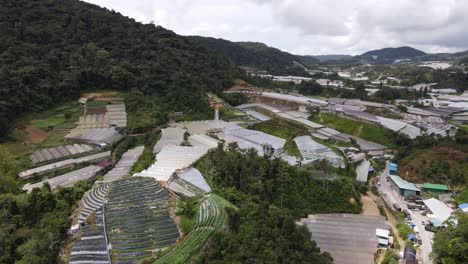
x,y
403,188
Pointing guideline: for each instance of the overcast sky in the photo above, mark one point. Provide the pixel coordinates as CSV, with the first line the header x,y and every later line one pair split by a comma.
x,y
312,27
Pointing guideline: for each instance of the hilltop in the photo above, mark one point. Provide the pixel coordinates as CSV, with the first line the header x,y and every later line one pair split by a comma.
x,y
50,51
389,55
257,55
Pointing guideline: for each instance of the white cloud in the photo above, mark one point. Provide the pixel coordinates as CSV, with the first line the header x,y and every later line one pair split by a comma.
x,y
312,26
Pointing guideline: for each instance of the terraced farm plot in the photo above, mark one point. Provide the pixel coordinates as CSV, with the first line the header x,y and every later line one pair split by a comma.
x,y
137,219
212,216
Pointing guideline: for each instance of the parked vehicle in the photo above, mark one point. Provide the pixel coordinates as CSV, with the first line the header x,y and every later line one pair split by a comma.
x,y
413,206
396,207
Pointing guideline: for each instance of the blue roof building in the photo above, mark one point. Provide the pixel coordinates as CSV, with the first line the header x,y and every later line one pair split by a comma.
x,y
393,168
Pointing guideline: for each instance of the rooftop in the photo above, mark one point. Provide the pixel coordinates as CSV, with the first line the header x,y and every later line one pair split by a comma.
x,y
441,187
439,208
402,184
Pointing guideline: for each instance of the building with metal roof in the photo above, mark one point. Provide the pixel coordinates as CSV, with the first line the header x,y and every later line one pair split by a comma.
x,y
349,238
438,188
393,168
438,208
403,187
463,207
362,171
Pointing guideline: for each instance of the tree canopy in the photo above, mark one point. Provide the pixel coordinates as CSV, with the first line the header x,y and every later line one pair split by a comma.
x,y
51,50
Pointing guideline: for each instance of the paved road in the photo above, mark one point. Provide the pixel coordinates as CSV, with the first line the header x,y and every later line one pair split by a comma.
x,y
391,196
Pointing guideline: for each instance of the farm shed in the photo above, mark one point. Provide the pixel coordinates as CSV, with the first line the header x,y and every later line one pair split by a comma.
x,y
403,187
362,171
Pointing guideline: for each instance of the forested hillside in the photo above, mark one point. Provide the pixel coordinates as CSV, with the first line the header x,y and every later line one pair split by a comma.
x,y
50,50
389,55
257,55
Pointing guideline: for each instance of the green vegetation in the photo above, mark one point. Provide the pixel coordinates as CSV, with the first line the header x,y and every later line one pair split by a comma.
x,y
33,225
390,257
53,50
256,55
211,216
234,99
360,129
451,244
187,209
270,195
462,197
404,230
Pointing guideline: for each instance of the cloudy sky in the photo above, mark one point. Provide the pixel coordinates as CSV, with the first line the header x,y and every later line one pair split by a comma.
x,y
312,27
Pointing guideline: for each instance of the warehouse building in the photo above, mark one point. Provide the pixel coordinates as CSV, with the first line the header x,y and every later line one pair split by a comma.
x,y
404,188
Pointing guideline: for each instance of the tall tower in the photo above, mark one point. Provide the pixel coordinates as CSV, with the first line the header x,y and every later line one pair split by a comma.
x,y
216,116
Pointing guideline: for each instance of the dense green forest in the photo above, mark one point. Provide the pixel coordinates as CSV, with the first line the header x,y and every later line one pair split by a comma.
x,y
51,50
451,244
270,194
257,55
33,226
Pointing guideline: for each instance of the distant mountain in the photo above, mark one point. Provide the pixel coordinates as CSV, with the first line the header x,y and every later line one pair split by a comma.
x,y
257,55
389,55
332,57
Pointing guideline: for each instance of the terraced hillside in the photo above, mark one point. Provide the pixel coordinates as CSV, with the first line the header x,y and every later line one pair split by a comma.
x,y
212,216
137,219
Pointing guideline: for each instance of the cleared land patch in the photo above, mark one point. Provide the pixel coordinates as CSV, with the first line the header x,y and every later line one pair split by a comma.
x,y
363,130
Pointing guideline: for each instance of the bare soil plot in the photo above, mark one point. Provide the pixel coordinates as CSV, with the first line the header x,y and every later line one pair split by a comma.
x,y
369,207
35,134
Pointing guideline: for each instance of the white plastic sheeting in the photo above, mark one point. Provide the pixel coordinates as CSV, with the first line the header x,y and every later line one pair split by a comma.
x,y
295,99
125,164
170,136
438,208
257,115
64,164
203,140
311,151
171,158
67,180
362,171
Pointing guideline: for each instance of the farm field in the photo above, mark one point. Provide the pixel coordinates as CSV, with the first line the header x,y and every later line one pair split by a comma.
x,y
211,217
45,129
137,219
363,130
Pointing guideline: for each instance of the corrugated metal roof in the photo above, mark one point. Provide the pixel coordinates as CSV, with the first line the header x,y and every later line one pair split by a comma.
x,y
402,184
441,187
439,208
